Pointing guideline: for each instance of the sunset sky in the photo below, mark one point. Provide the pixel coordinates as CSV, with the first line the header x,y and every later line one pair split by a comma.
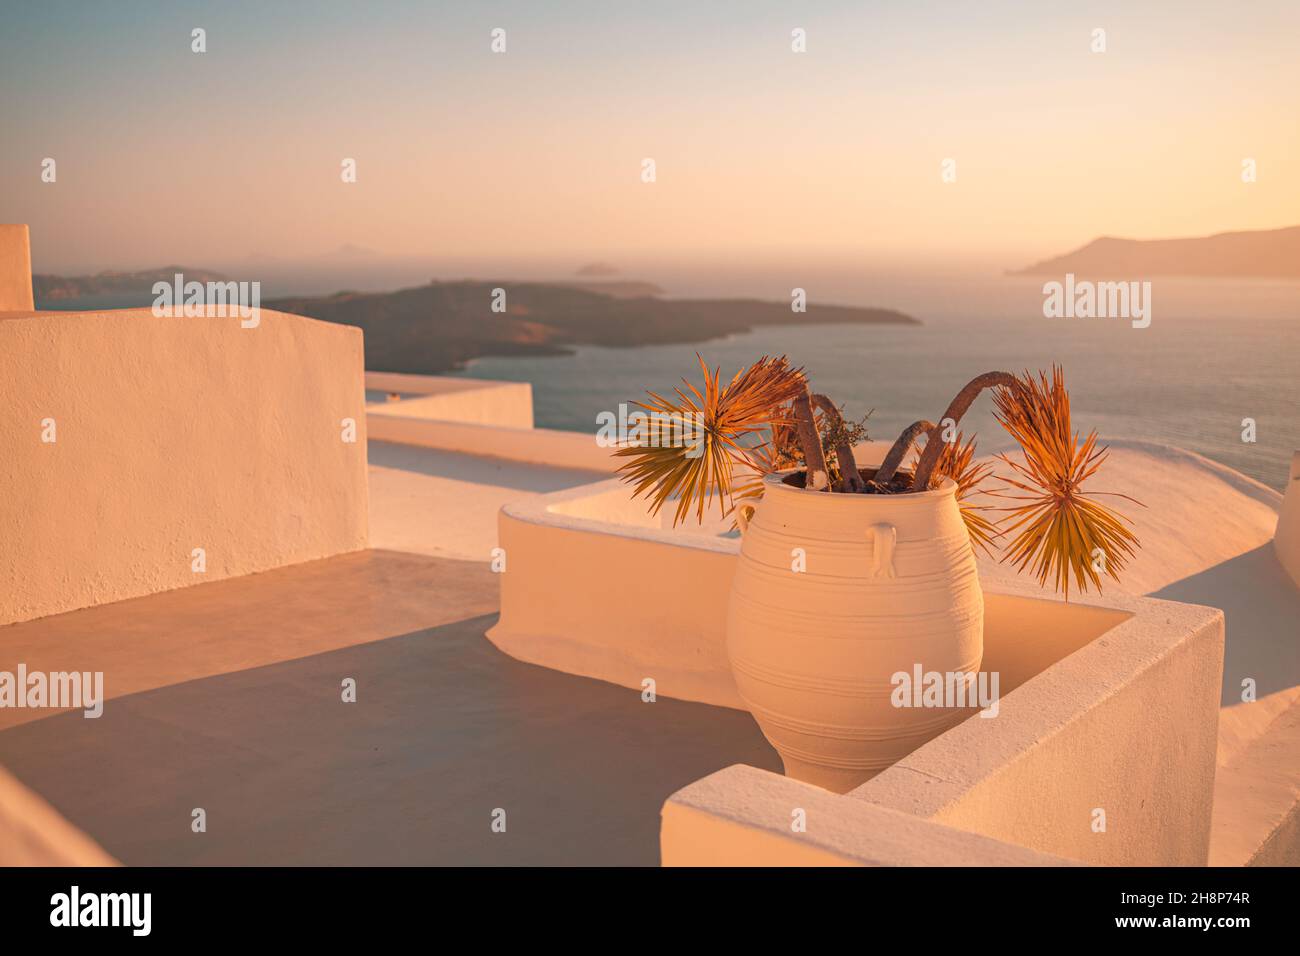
x,y
164,155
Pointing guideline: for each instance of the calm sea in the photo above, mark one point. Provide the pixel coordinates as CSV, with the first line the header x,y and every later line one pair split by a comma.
x,y
1216,352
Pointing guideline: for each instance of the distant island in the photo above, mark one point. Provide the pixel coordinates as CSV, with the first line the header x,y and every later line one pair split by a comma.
x,y
441,326
618,288
1268,253
137,284
598,269
137,287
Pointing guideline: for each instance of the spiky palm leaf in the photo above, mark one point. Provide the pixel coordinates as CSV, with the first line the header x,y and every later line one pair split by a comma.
x,y
694,472
1059,525
958,463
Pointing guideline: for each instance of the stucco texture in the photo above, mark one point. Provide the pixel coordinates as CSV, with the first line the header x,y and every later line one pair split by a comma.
x,y
171,434
15,269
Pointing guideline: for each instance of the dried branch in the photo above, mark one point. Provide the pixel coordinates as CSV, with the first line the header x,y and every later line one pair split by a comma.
x,y
850,479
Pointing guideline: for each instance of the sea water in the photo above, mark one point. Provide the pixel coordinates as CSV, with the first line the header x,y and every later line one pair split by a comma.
x,y
1216,354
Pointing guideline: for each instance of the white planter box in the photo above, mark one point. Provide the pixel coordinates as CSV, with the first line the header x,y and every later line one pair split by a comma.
x,y
1107,705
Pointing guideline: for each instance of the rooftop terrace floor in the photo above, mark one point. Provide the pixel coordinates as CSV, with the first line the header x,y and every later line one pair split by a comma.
x,y
227,696
445,729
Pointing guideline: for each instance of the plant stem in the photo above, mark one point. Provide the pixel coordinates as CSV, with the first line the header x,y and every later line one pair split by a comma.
x,y
850,480
956,409
811,443
900,449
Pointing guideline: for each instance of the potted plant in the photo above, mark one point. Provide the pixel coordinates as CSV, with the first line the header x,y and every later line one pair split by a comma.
x,y
848,575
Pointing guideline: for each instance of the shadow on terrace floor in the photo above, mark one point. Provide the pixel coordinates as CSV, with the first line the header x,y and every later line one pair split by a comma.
x,y
445,729
1261,606
248,621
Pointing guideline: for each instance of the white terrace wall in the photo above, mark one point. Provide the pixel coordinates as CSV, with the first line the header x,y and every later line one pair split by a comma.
x,y
1287,539
444,398
742,816
127,441
15,269
1107,756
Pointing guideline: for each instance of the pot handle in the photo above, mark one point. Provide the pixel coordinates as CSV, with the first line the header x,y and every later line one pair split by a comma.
x,y
742,517
883,538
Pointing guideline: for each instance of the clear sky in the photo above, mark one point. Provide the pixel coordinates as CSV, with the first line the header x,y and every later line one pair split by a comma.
x,y
834,155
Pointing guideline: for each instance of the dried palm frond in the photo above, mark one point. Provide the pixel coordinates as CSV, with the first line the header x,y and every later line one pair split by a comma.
x,y
724,416
958,463
1061,530
755,464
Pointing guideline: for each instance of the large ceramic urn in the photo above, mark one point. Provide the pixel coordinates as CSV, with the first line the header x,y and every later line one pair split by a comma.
x,y
834,594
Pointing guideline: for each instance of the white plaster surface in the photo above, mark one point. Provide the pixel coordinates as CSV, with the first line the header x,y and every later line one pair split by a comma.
x,y
445,503
446,398
15,269
742,816
172,433
1287,541
1212,547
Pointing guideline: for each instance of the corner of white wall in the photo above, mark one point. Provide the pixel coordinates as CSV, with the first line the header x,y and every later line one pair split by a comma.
x,y
1286,540
15,269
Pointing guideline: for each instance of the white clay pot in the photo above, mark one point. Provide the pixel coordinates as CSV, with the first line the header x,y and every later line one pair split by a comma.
x,y
889,583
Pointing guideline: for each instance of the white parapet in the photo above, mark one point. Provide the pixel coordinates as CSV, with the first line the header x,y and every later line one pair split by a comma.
x,y
587,594
477,417
536,446
742,816
144,453
1105,755
1103,749
1286,540
15,269
446,398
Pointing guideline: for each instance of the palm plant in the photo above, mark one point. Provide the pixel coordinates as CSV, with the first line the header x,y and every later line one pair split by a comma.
x,y
767,420
695,470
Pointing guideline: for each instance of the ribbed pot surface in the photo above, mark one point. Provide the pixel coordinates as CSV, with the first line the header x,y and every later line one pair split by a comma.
x,y
889,582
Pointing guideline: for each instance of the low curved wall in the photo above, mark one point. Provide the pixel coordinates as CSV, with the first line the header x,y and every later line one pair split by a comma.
x,y
130,440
